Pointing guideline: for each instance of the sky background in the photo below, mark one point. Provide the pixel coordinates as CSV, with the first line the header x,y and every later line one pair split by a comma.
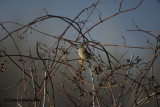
x,y
147,17
110,32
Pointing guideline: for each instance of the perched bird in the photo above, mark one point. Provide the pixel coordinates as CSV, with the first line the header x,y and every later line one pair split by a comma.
x,y
83,53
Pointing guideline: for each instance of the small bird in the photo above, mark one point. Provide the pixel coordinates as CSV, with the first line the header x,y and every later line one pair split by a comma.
x,y
83,53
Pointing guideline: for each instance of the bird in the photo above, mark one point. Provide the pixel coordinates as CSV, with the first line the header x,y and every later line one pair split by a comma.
x,y
83,53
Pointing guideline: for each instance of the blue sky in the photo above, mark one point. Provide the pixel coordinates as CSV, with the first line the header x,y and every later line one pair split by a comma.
x,y
110,32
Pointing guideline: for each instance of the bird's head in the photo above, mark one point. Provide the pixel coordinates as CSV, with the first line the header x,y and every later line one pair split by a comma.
x,y
80,46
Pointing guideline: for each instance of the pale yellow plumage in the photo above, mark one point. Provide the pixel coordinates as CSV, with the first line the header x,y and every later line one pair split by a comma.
x,y
83,53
